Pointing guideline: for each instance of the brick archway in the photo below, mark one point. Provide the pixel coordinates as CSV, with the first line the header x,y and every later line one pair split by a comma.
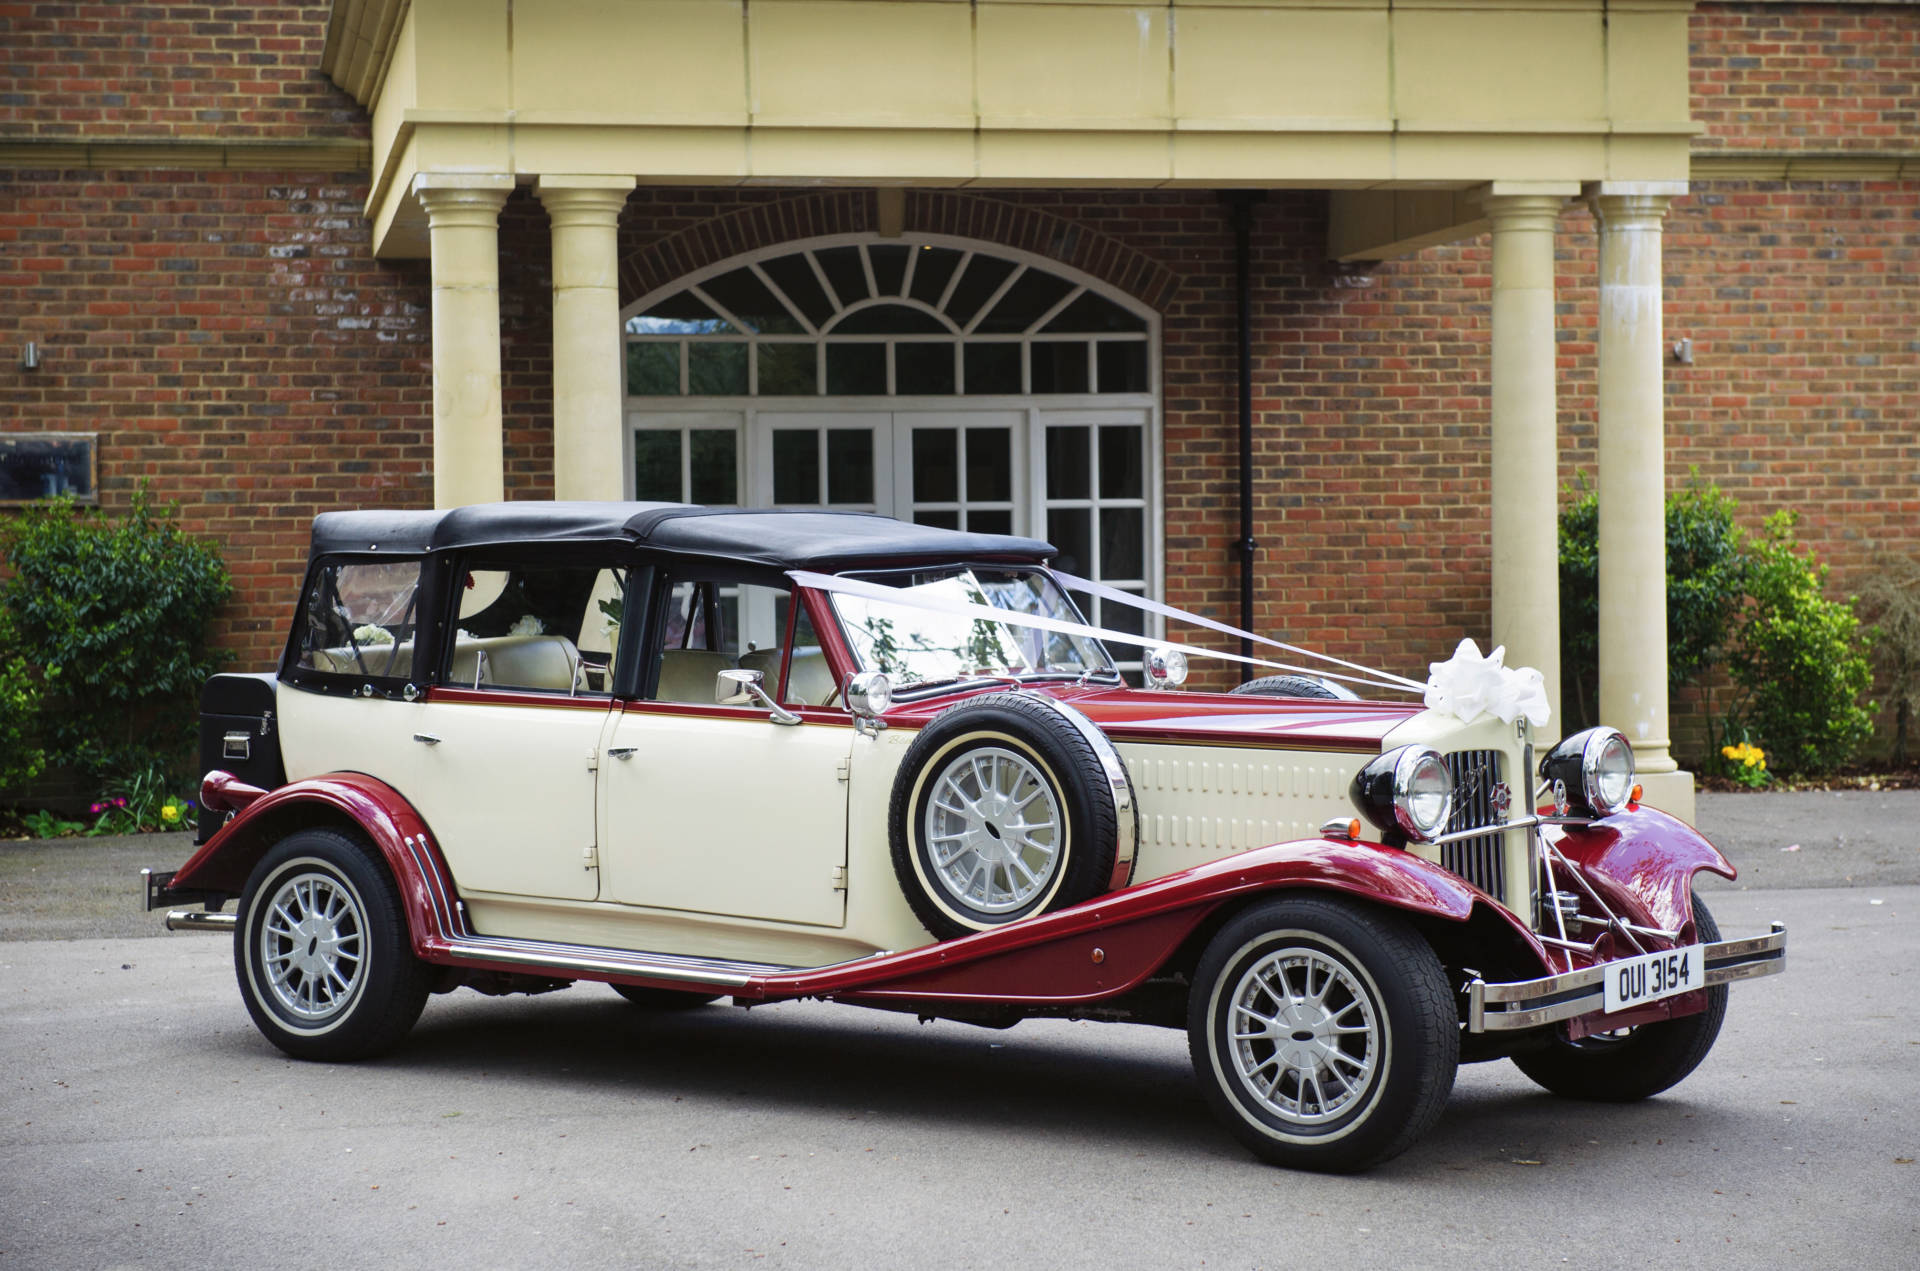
x,y
815,215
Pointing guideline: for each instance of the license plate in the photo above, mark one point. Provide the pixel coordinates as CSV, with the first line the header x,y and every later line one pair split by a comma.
x,y
1649,977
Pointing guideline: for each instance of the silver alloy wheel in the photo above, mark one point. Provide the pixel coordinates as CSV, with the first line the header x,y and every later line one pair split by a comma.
x,y
313,946
993,830
1305,1039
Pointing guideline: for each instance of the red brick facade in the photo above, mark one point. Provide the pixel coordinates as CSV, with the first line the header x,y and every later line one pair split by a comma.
x,y
233,341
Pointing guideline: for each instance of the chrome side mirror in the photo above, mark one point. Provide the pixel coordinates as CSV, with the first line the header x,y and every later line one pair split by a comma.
x,y
741,687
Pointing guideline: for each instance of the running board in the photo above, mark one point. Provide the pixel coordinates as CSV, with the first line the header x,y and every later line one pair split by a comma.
x,y
717,973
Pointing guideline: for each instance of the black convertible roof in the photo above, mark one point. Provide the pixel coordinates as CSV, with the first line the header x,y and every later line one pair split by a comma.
x,y
788,539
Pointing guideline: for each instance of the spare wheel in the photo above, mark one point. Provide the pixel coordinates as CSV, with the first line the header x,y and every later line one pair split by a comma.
x,y
1006,806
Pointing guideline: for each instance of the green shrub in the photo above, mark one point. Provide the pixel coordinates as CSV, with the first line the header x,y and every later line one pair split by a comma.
x,y
1890,599
113,617
21,756
1705,572
1799,658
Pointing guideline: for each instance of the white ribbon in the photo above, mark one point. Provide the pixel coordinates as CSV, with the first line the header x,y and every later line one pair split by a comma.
x,y
897,596
1380,679
1468,685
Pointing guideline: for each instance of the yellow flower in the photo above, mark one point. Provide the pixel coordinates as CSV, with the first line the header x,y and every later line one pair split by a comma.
x,y
170,813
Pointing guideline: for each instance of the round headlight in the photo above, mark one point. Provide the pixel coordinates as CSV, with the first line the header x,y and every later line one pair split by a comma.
x,y
1407,792
869,694
1595,768
1165,667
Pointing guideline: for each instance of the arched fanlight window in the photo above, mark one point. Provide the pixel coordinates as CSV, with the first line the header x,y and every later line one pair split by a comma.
x,y
885,319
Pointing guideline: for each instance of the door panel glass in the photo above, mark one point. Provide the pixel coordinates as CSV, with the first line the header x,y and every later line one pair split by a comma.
x,y
990,520
656,465
982,278
794,277
1069,463
989,465
1122,545
1070,530
844,270
796,465
936,465
932,269
1120,461
849,465
716,466
742,294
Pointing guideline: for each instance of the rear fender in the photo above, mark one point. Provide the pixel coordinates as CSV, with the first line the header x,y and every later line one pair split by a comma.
x,y
344,800
1643,862
1108,945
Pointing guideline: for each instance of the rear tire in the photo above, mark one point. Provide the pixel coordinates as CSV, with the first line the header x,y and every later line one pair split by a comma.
x,y
1323,1033
322,952
1635,1063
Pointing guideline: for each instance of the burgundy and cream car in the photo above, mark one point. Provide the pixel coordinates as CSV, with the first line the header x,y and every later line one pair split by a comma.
x,y
696,753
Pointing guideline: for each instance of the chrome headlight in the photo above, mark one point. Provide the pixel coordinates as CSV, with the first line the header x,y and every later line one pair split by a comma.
x,y
1164,667
1591,772
1407,792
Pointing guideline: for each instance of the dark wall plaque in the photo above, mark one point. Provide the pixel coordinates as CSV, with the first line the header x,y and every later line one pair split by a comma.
x,y
41,465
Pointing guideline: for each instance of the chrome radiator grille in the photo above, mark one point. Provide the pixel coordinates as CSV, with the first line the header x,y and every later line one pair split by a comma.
x,y
1480,860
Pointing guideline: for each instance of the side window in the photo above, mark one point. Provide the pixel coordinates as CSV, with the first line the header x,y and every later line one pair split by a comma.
x,y
359,619
550,628
710,625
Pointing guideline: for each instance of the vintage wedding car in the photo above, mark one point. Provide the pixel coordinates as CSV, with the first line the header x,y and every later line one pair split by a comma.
x,y
699,752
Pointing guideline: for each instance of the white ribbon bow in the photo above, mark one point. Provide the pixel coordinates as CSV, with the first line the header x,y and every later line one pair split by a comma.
x,y
1469,684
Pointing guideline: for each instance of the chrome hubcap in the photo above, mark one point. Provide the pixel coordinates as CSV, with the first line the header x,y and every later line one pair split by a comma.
x,y
993,830
312,946
1304,1039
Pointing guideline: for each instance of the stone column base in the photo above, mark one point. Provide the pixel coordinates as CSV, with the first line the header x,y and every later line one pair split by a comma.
x,y
1671,792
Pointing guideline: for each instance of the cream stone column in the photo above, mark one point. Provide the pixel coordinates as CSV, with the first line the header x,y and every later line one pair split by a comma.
x,y
1525,433
1632,454
585,213
463,223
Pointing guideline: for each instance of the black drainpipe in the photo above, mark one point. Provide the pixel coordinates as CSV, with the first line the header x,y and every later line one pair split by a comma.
x,y
1240,212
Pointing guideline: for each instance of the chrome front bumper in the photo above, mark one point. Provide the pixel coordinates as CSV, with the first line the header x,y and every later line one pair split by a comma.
x,y
1493,1008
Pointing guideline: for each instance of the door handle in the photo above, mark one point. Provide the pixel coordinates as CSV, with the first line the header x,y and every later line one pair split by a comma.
x,y
622,752
427,739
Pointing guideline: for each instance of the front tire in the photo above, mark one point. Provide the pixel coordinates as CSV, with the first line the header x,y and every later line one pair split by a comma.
x,y
322,952
1635,1063
1323,1033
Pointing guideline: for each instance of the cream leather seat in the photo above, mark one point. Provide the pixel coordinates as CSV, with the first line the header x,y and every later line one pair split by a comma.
x,y
810,681
687,675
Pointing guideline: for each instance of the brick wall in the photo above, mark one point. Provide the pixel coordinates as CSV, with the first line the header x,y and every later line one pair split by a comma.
x,y
236,72
1820,78
233,343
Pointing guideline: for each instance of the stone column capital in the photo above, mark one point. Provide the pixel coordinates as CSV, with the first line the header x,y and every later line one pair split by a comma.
x,y
1629,208
462,200
583,201
1536,212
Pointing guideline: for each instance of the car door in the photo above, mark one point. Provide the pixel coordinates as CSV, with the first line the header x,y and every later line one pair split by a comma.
x,y
505,748
717,809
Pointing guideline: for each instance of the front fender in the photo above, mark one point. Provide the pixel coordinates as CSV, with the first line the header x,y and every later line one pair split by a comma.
x,y
1110,944
1644,861
340,799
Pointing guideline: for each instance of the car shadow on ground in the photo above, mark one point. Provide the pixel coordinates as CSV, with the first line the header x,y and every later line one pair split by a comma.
x,y
1102,1086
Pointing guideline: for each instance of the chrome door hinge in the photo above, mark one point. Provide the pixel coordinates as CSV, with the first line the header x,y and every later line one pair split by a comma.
x,y
843,768
839,877
593,761
591,855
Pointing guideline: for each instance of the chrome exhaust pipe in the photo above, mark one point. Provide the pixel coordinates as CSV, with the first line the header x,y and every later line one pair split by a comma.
x,y
200,920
